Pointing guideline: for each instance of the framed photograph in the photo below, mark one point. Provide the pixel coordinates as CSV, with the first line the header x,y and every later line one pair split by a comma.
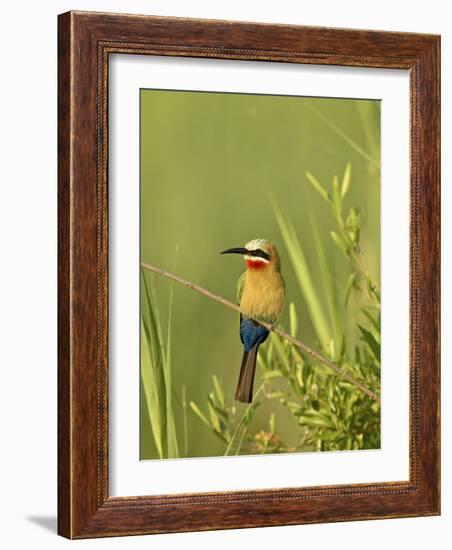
x,y
248,275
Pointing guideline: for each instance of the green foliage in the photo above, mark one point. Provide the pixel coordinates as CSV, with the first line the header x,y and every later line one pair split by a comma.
x,y
328,412
223,418
303,275
156,375
325,411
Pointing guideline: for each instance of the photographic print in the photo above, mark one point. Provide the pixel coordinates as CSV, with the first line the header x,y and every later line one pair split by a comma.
x,y
222,227
273,203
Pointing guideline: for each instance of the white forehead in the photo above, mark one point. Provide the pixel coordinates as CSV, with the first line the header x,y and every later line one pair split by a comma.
x,y
256,244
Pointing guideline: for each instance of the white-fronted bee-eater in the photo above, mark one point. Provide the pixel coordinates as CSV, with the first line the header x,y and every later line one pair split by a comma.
x,y
260,295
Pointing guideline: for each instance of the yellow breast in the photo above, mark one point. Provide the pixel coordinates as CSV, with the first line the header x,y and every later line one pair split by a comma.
x,y
263,295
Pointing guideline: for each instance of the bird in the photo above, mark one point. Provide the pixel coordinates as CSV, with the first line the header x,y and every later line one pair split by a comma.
x,y
260,295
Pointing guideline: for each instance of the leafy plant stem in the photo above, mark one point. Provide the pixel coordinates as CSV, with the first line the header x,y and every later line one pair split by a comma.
x,y
314,354
242,420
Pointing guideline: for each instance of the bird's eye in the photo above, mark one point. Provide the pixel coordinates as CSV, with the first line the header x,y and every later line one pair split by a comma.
x,y
261,254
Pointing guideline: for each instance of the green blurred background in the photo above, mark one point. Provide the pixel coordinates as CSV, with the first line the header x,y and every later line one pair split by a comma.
x,y
211,165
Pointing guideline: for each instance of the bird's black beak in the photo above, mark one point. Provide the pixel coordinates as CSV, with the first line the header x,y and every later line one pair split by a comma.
x,y
242,251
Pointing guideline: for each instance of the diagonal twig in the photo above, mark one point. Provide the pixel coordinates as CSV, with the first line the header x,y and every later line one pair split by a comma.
x,y
314,354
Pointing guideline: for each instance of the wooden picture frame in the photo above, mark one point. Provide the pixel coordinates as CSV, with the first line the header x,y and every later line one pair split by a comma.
x,y
85,42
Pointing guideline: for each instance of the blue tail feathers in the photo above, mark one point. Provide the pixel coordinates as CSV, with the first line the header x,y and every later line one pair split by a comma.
x,y
251,333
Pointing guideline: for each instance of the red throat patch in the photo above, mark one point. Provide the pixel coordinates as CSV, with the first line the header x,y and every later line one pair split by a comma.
x,y
255,264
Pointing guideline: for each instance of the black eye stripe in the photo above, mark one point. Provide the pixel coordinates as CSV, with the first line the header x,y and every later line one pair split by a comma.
x,y
260,254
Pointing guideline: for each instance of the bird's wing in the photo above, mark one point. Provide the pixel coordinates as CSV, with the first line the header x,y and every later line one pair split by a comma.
x,y
240,285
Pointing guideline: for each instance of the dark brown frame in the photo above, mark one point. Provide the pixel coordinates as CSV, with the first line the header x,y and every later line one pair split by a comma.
x,y
85,41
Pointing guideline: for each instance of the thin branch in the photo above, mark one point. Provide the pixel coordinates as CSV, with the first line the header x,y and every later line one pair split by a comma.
x,y
309,351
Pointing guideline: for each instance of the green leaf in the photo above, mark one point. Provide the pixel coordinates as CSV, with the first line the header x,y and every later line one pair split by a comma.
x,y
351,284
374,322
371,342
299,377
272,374
153,368
326,274
249,412
194,407
173,449
330,390
346,180
185,419
153,314
221,412
214,420
337,195
328,435
332,349
221,436
303,275
272,423
218,390
151,393
350,402
318,187
315,420
357,354
339,242
353,219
